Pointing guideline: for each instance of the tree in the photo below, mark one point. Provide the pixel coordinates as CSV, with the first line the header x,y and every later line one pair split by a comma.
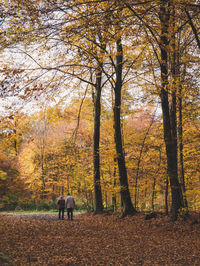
x,y
98,46
168,96
125,194
193,27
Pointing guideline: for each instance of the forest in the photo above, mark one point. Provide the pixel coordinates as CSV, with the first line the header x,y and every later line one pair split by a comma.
x,y
100,99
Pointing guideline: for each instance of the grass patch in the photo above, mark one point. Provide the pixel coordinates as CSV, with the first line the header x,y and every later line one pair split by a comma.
x,y
37,211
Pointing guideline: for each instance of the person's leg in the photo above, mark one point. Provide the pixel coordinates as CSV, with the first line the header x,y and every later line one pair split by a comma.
x,y
68,213
63,213
59,213
71,214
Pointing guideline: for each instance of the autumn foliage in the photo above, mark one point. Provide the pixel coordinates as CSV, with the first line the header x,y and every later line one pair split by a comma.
x,y
101,100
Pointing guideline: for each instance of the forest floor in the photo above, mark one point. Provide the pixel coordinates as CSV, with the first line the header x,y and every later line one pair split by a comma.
x,y
42,239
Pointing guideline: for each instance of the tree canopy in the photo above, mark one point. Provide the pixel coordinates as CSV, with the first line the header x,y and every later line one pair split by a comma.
x,y
116,84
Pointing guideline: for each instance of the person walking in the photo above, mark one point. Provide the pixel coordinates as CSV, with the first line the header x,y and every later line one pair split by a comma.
x,y
61,207
70,204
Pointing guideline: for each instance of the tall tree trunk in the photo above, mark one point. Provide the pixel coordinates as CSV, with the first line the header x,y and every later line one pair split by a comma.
x,y
166,196
180,131
153,193
180,136
125,194
169,121
154,181
15,140
114,200
180,146
98,205
194,29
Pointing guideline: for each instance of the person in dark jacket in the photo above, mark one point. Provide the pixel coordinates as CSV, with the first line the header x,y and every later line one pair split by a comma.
x,y
61,207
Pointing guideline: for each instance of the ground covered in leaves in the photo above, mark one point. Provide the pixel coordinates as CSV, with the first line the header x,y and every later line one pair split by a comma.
x,y
97,240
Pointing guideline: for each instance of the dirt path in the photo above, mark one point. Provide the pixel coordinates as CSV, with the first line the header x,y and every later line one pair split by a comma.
x,y
46,216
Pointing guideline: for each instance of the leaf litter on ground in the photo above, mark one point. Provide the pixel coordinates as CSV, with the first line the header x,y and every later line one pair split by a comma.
x,y
42,239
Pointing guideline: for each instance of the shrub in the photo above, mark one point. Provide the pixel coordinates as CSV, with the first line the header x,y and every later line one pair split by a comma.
x,y
8,202
83,206
43,206
53,205
54,198
28,206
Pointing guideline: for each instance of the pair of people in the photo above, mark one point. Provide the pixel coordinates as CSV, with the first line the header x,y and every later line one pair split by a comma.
x,y
69,204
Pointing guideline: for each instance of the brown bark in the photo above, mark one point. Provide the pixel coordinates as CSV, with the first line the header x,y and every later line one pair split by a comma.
x,y
114,200
154,182
196,35
166,196
98,205
180,136
169,119
125,194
